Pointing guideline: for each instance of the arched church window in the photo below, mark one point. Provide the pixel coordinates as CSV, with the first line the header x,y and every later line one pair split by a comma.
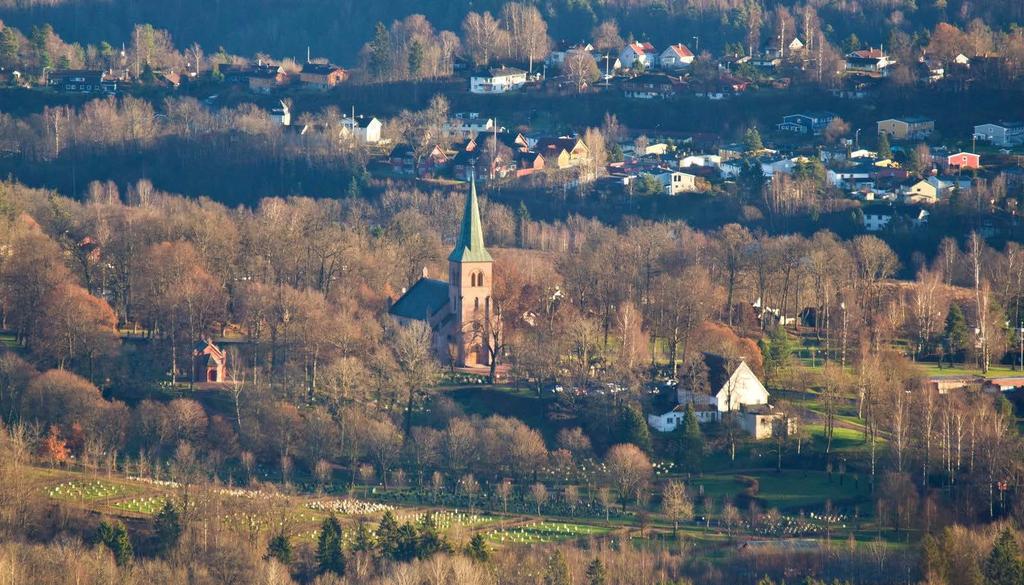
x,y
476,304
480,279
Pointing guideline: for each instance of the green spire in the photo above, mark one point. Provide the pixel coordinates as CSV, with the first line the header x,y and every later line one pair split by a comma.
x,y
470,245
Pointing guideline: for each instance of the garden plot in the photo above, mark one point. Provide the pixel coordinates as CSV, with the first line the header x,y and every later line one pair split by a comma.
x,y
148,505
540,532
88,491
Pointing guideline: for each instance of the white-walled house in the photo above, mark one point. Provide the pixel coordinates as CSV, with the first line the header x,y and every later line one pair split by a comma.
x,y
282,114
638,52
676,56
732,391
1001,134
497,80
365,129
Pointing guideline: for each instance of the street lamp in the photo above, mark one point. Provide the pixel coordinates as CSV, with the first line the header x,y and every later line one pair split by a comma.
x,y
696,45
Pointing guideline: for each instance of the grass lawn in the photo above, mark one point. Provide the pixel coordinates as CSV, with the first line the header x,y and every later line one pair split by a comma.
x,y
932,369
540,532
84,490
789,491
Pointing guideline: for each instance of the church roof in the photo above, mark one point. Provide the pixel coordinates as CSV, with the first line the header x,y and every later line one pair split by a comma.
x,y
470,245
421,301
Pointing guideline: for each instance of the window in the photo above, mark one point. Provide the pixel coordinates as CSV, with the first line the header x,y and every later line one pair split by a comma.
x,y
480,279
476,304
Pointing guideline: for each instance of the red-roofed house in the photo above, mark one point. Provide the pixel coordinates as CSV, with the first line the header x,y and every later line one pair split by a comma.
x,y
637,52
211,362
676,57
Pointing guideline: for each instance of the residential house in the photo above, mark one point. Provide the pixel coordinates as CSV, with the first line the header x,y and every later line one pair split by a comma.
x,y
868,62
556,58
528,162
233,73
651,86
81,81
403,161
321,75
763,421
469,124
812,123
731,390
946,185
920,192
963,160
497,80
908,128
638,53
210,362
1004,134
676,56
264,78
676,182
281,114
851,177
562,152
877,217
365,129
515,140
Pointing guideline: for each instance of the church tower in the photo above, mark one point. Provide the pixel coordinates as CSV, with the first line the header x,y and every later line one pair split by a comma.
x,y
469,290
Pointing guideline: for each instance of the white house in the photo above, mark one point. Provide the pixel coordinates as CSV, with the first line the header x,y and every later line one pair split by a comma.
x,y
676,57
1001,134
676,182
365,129
282,115
557,56
470,124
637,52
497,80
735,390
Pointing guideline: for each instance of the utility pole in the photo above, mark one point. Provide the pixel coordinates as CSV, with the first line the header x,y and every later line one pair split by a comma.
x,y
696,45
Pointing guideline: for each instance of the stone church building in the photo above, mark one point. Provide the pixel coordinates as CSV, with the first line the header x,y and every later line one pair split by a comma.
x,y
459,310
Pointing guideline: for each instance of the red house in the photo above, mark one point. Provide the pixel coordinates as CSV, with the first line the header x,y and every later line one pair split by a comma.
x,y
210,362
963,160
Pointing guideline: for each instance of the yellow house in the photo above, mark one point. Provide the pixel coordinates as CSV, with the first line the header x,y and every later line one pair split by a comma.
x,y
910,128
921,192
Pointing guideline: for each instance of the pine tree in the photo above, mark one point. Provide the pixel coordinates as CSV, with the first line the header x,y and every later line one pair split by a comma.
x,y
752,140
167,526
9,47
387,535
557,570
596,573
884,148
380,52
329,555
115,537
690,444
363,541
477,549
956,331
406,543
428,540
633,428
1004,566
280,549
415,59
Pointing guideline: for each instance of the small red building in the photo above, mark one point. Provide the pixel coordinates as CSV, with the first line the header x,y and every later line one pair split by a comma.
x,y
210,362
963,160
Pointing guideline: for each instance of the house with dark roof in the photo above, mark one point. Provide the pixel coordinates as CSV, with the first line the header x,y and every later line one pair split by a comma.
x,y
868,62
562,152
811,123
210,362
81,81
321,75
459,311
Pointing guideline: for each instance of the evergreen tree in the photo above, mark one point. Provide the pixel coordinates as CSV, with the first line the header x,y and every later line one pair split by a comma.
x,y
406,543
690,443
415,59
329,556
752,140
363,541
956,331
9,47
380,52
167,526
387,535
633,428
429,541
776,349
557,570
884,148
596,573
115,537
477,549
280,549
751,180
1004,566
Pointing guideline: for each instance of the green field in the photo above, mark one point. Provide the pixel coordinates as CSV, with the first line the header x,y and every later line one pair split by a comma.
x,y
541,532
89,491
148,505
789,491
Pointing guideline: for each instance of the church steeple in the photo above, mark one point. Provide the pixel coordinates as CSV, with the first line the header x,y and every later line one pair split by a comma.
x,y
470,245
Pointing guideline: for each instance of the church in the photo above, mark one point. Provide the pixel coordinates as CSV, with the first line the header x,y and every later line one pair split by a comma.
x,y
459,310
